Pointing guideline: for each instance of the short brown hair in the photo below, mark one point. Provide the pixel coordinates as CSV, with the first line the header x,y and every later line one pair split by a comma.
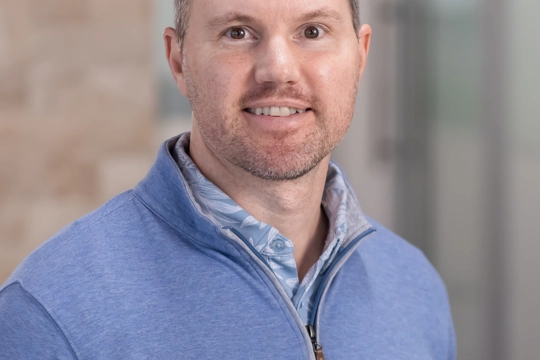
x,y
181,9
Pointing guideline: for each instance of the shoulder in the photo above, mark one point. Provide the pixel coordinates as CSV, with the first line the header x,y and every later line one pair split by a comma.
x,y
402,269
407,289
27,330
79,239
396,253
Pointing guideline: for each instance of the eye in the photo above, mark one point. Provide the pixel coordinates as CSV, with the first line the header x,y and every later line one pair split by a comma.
x,y
313,32
238,33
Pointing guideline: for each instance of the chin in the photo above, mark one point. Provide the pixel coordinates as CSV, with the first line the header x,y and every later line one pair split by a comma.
x,y
280,167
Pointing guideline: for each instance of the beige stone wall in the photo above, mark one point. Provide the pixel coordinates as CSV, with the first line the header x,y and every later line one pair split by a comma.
x,y
77,112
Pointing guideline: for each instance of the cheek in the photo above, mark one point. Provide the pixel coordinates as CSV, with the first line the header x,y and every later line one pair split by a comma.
x,y
334,73
336,83
225,79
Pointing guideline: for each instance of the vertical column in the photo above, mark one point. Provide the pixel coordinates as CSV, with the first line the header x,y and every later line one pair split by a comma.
x,y
414,216
494,124
523,191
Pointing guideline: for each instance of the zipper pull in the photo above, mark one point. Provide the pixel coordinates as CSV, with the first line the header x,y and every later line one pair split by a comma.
x,y
317,348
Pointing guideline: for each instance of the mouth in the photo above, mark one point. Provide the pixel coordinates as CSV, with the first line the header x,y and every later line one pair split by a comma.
x,y
276,111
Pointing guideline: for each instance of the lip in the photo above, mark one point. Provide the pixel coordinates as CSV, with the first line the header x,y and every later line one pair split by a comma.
x,y
278,103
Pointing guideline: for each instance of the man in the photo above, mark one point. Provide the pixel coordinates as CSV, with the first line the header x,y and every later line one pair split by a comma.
x,y
244,241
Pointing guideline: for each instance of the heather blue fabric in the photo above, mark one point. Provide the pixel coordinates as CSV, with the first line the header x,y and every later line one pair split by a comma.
x,y
147,277
338,202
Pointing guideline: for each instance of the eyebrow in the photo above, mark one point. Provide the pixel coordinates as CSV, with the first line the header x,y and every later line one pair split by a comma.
x,y
231,17
324,13
221,21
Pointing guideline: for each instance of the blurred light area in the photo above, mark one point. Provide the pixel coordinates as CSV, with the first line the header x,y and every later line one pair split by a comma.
x,y
444,147
77,113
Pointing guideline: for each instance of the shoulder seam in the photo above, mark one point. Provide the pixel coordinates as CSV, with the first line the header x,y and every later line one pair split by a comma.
x,y
48,314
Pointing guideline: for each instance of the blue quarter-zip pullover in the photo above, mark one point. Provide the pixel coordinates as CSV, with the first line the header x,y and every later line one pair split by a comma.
x,y
146,276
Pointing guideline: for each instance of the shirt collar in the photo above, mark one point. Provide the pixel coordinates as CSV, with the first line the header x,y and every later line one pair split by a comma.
x,y
339,202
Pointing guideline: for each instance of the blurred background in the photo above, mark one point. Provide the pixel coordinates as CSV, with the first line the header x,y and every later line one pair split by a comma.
x,y
444,148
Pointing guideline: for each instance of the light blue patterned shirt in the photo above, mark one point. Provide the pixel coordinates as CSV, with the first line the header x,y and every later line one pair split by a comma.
x,y
339,203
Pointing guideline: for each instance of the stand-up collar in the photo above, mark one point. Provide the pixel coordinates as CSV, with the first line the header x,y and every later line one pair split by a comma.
x,y
189,202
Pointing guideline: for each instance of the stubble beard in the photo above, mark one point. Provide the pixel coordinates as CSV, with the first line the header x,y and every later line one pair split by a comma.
x,y
273,156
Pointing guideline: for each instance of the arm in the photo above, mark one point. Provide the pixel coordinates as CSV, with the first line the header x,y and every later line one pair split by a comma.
x,y
27,331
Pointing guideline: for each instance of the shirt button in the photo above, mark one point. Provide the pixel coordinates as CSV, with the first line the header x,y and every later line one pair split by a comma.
x,y
278,245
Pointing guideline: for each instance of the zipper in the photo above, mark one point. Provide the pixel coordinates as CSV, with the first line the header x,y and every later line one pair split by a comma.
x,y
317,348
311,328
250,249
323,287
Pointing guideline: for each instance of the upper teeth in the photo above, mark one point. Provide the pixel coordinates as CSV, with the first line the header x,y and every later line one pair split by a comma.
x,y
276,111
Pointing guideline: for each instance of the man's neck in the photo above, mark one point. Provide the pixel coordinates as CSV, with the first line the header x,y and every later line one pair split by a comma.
x,y
292,207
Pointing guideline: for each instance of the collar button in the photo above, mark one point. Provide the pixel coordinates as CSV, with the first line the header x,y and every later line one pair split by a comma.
x,y
278,245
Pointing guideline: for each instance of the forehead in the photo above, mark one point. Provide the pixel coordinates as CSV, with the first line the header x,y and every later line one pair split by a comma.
x,y
268,11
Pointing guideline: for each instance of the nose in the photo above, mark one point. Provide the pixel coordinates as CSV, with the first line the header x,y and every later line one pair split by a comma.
x,y
277,62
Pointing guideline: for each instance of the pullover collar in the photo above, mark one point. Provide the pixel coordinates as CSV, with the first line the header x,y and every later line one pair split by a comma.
x,y
339,203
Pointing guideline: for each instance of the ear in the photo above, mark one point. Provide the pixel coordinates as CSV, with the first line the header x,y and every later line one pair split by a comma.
x,y
174,55
364,40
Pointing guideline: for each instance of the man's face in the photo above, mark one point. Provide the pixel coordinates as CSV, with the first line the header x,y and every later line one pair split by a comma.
x,y
297,61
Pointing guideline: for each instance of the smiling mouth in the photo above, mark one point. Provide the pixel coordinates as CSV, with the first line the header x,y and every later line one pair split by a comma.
x,y
276,111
